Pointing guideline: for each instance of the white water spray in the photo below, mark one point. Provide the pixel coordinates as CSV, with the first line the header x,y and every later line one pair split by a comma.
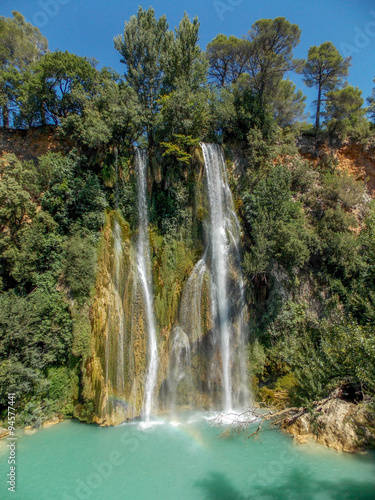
x,y
144,271
218,203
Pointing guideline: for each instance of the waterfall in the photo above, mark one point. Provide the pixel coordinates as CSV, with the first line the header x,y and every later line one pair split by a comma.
x,y
180,365
219,206
199,359
212,312
144,271
190,317
226,290
118,261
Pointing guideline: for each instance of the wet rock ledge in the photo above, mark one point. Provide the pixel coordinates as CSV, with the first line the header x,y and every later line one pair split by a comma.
x,y
336,423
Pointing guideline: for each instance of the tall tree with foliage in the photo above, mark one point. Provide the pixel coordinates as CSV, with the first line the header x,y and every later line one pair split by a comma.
x,y
325,69
185,58
344,111
144,47
288,103
21,44
110,113
184,103
271,54
48,89
228,58
371,101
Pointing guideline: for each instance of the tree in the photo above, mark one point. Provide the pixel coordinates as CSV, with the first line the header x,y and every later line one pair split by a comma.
x,y
49,88
73,198
325,69
184,103
271,54
21,44
110,113
228,57
35,331
184,112
144,48
371,101
16,204
185,60
344,111
278,226
288,104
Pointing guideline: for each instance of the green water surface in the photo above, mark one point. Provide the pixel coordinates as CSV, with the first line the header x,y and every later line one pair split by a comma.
x,y
179,462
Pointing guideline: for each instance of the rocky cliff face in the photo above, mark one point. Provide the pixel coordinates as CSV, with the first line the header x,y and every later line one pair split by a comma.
x,y
33,143
115,372
357,159
335,423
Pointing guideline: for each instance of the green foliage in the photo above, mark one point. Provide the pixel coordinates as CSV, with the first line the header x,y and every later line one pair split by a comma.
x,y
40,250
339,352
344,113
144,48
288,104
35,332
257,358
110,113
52,84
184,112
343,189
277,223
75,199
325,69
21,44
361,301
185,61
228,57
371,101
81,331
16,204
79,269
271,54
61,389
179,149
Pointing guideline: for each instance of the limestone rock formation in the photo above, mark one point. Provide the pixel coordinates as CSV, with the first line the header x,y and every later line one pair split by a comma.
x,y
336,423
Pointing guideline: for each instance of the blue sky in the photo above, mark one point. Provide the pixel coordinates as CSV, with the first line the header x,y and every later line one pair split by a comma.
x,y
87,28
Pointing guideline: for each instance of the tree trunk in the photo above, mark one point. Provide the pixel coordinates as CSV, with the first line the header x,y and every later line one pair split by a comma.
x,y
43,114
317,121
5,116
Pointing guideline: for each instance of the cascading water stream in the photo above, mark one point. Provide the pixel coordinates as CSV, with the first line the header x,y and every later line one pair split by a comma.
x,y
224,249
216,193
119,257
144,271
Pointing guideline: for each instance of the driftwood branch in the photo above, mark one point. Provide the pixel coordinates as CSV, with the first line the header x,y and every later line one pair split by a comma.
x,y
240,422
273,416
